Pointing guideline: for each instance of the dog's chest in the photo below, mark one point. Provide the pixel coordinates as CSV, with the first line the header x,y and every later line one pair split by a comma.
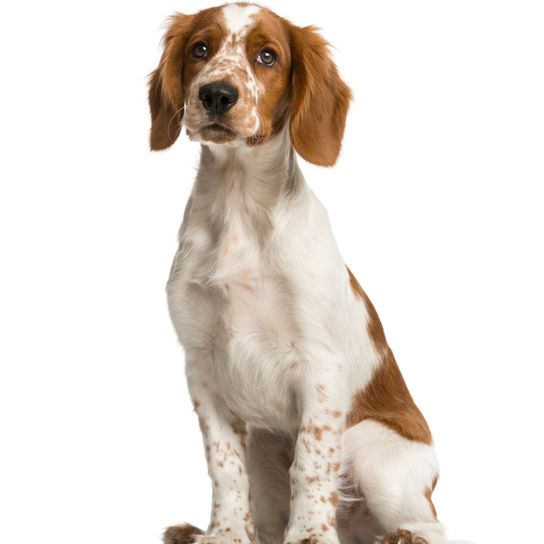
x,y
241,310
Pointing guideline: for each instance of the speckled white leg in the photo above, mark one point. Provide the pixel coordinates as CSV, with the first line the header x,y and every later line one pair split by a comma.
x,y
224,440
314,472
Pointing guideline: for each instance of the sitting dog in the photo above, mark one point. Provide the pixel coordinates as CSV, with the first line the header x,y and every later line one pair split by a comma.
x,y
310,433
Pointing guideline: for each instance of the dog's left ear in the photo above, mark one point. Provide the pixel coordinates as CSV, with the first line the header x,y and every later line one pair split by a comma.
x,y
320,99
166,95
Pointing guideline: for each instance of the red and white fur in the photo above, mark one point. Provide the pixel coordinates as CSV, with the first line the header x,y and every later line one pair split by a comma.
x,y
309,430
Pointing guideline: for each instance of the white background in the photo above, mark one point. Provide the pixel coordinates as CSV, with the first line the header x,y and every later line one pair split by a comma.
x,y
436,204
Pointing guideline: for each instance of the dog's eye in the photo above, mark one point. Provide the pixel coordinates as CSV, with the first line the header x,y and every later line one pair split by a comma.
x,y
200,51
267,57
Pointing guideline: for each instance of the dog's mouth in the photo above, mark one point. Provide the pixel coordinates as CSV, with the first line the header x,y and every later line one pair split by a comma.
x,y
218,133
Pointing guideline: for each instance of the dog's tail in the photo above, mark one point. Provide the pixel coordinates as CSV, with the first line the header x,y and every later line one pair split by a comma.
x,y
181,534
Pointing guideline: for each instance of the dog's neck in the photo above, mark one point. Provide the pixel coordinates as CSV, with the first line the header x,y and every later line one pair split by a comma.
x,y
247,183
263,172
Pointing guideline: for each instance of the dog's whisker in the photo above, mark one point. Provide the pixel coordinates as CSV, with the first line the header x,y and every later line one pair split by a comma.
x,y
174,116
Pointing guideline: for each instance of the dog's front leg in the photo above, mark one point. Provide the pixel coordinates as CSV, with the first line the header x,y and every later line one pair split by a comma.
x,y
316,465
224,438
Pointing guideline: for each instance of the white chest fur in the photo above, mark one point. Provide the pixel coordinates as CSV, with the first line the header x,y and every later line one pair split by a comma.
x,y
258,292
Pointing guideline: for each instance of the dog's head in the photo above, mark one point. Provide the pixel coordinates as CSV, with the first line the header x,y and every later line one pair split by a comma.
x,y
236,74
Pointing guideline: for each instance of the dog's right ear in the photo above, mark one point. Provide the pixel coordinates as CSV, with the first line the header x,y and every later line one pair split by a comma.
x,y
166,96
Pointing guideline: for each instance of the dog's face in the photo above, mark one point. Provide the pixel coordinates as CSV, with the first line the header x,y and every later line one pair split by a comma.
x,y
236,74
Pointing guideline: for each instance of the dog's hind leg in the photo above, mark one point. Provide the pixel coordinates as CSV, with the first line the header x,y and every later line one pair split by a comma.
x,y
396,476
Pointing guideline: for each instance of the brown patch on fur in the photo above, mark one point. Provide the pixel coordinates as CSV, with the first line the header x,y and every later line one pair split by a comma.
x,y
402,537
240,428
320,388
320,99
386,398
204,427
181,534
428,496
334,499
316,431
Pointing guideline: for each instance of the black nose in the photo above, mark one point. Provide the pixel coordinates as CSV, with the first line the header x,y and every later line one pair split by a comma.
x,y
218,97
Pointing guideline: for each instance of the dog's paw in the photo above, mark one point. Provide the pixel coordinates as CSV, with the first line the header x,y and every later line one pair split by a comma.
x,y
401,537
181,534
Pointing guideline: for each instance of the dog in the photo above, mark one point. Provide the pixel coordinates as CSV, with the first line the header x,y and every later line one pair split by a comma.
x,y
310,433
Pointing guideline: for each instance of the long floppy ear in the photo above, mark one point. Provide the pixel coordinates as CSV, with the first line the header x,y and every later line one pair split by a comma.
x,y
320,99
166,95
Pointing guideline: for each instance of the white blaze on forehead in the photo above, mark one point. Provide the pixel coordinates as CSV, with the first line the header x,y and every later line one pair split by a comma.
x,y
238,18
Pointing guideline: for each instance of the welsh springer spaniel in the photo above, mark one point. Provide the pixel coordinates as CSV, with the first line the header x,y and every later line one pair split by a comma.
x,y
310,433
